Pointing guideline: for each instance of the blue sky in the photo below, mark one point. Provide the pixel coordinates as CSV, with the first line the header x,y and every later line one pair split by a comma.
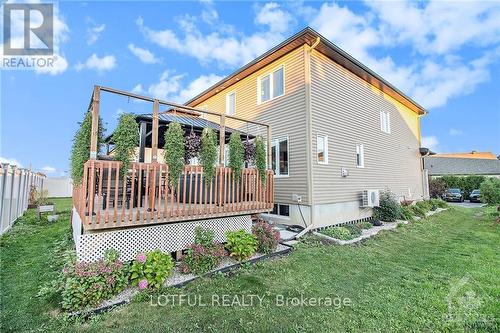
x,y
446,55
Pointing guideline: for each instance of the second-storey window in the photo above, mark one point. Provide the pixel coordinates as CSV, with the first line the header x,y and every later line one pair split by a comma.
x,y
279,155
322,149
360,156
385,121
271,85
231,103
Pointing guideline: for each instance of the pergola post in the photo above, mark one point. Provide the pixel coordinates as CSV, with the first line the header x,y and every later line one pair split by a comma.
x,y
269,149
222,138
154,139
95,123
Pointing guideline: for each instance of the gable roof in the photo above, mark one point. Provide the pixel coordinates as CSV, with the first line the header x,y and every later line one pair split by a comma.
x,y
473,154
309,36
461,166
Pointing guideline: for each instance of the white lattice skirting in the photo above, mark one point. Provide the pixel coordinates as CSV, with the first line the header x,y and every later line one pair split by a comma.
x,y
169,237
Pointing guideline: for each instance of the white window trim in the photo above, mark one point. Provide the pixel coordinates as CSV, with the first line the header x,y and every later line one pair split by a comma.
x,y
275,143
227,103
271,92
361,148
325,138
284,217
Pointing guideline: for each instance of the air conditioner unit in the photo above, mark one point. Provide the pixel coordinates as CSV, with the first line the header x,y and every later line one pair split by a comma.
x,y
370,198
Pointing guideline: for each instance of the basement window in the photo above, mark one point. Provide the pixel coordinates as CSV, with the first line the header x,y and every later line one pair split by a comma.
x,y
281,210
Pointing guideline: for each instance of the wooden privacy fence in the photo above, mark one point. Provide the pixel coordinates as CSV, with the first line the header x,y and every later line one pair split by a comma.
x,y
111,198
15,185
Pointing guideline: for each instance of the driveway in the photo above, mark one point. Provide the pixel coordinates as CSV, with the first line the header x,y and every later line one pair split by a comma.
x,y
467,204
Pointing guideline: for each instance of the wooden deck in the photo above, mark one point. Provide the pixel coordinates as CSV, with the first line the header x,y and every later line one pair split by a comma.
x,y
143,196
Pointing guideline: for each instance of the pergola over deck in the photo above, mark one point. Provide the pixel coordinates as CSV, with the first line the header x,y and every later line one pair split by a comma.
x,y
110,197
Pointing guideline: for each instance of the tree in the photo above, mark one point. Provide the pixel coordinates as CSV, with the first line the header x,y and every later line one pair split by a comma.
x,y
236,154
174,151
437,187
260,158
208,153
126,139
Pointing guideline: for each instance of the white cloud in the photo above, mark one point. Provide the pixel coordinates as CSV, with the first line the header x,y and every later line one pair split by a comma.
x,y
49,169
455,132
430,80
105,63
11,161
143,55
430,142
222,46
170,88
94,31
59,65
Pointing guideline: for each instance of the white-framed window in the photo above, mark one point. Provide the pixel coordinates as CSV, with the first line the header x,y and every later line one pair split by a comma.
x,y
322,149
385,122
281,210
360,156
231,103
280,155
271,85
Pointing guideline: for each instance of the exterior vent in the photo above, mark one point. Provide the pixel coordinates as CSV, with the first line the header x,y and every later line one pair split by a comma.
x,y
370,198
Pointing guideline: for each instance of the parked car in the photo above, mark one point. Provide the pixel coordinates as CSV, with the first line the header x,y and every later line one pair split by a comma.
x,y
453,194
475,196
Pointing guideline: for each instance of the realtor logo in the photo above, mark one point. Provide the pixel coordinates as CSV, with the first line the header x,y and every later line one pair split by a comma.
x,y
28,29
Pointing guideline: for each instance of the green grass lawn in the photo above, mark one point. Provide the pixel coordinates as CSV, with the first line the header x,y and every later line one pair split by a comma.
x,y
402,280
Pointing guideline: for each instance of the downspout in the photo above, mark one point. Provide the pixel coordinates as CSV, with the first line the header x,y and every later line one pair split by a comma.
x,y
309,145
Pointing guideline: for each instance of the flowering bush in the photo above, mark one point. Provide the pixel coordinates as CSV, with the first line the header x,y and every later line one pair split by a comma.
x,y
151,269
267,236
241,244
204,255
389,209
88,284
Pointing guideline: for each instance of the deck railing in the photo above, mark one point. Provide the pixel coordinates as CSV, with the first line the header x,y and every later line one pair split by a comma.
x,y
109,198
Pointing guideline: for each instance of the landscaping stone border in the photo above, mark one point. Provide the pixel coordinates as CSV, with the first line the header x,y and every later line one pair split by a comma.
x,y
367,233
178,280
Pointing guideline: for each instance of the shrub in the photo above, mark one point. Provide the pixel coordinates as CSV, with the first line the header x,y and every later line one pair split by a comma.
x,y
364,225
260,158
437,187
88,284
406,213
241,244
424,205
267,236
353,230
433,204
440,203
208,153
125,137
236,155
341,233
417,211
389,208
192,147
249,151
490,191
151,269
174,151
204,255
466,184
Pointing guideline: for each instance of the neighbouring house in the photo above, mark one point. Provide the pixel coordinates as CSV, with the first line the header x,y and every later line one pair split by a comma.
x,y
339,130
463,164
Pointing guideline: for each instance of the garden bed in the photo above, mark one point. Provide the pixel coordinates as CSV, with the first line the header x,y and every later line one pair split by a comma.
x,y
179,279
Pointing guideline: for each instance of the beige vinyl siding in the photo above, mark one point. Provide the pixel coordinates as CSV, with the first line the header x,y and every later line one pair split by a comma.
x,y
347,109
285,114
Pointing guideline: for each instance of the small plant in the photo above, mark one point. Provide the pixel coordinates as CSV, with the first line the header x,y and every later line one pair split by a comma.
x,y
353,230
192,146
424,205
341,233
260,158
490,191
389,209
364,225
441,203
174,152
208,153
418,211
432,204
126,139
267,236
42,198
241,244
236,155
204,255
406,213
151,270
85,284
